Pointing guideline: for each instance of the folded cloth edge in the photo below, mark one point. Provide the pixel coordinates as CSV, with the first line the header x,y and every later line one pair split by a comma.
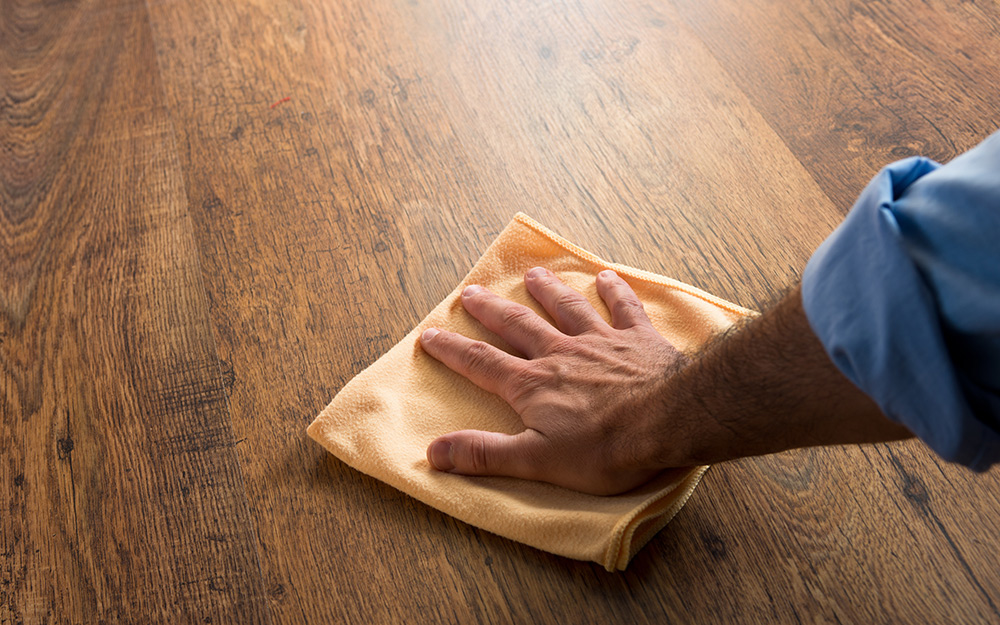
x,y
636,529
625,270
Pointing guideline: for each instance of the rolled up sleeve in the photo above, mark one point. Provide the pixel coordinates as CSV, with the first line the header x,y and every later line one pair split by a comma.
x,y
905,297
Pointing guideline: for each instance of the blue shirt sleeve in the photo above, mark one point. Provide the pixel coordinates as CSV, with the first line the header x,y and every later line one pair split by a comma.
x,y
905,297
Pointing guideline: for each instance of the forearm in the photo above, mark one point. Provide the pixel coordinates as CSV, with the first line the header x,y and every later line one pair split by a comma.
x,y
765,387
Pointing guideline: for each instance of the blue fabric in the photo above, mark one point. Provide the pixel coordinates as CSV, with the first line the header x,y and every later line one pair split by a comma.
x,y
905,297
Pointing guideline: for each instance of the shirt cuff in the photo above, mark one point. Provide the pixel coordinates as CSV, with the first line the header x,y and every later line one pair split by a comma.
x,y
870,307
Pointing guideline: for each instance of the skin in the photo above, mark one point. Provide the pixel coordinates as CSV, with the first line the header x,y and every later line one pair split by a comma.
x,y
608,407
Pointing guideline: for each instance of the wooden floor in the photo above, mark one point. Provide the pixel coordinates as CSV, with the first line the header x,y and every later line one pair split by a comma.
x,y
215,213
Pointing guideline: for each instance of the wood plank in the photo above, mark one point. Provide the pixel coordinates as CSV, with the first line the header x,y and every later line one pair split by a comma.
x,y
332,222
620,130
125,497
853,86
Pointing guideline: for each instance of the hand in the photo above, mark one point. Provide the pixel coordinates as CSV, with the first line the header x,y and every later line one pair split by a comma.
x,y
591,395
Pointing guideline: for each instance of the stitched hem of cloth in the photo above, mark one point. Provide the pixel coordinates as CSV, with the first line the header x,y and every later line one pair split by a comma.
x,y
635,530
632,272
629,533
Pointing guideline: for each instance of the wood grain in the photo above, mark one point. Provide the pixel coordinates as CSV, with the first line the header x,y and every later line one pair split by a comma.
x,y
216,213
851,87
401,197
125,500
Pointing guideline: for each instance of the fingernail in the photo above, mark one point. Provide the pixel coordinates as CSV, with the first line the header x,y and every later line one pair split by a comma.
x,y
471,290
429,333
536,272
440,456
608,273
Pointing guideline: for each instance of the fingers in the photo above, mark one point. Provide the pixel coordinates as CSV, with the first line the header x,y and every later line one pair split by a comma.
x,y
518,325
486,366
572,312
626,309
471,452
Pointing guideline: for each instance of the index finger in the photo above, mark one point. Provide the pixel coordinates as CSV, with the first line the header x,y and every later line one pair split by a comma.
x,y
484,365
515,323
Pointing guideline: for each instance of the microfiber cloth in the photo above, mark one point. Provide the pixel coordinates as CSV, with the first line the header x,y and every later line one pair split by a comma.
x,y
381,422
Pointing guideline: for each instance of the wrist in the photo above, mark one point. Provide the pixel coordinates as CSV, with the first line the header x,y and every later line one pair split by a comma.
x,y
691,431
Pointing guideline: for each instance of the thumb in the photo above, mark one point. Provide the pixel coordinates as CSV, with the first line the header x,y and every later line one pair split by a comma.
x,y
471,452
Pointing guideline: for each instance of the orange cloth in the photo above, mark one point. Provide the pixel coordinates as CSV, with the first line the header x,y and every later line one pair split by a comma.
x,y
382,421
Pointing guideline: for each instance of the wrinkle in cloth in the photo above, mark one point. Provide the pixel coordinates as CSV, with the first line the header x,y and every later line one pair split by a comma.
x,y
381,422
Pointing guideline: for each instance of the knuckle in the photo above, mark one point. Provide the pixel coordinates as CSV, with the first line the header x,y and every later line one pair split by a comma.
x,y
514,315
569,300
628,306
564,345
478,455
477,356
523,382
528,377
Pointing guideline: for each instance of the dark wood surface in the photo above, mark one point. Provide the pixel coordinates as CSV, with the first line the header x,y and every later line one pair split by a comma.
x,y
214,214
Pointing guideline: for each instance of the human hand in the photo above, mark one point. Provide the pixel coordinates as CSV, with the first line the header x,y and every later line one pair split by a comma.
x,y
591,395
